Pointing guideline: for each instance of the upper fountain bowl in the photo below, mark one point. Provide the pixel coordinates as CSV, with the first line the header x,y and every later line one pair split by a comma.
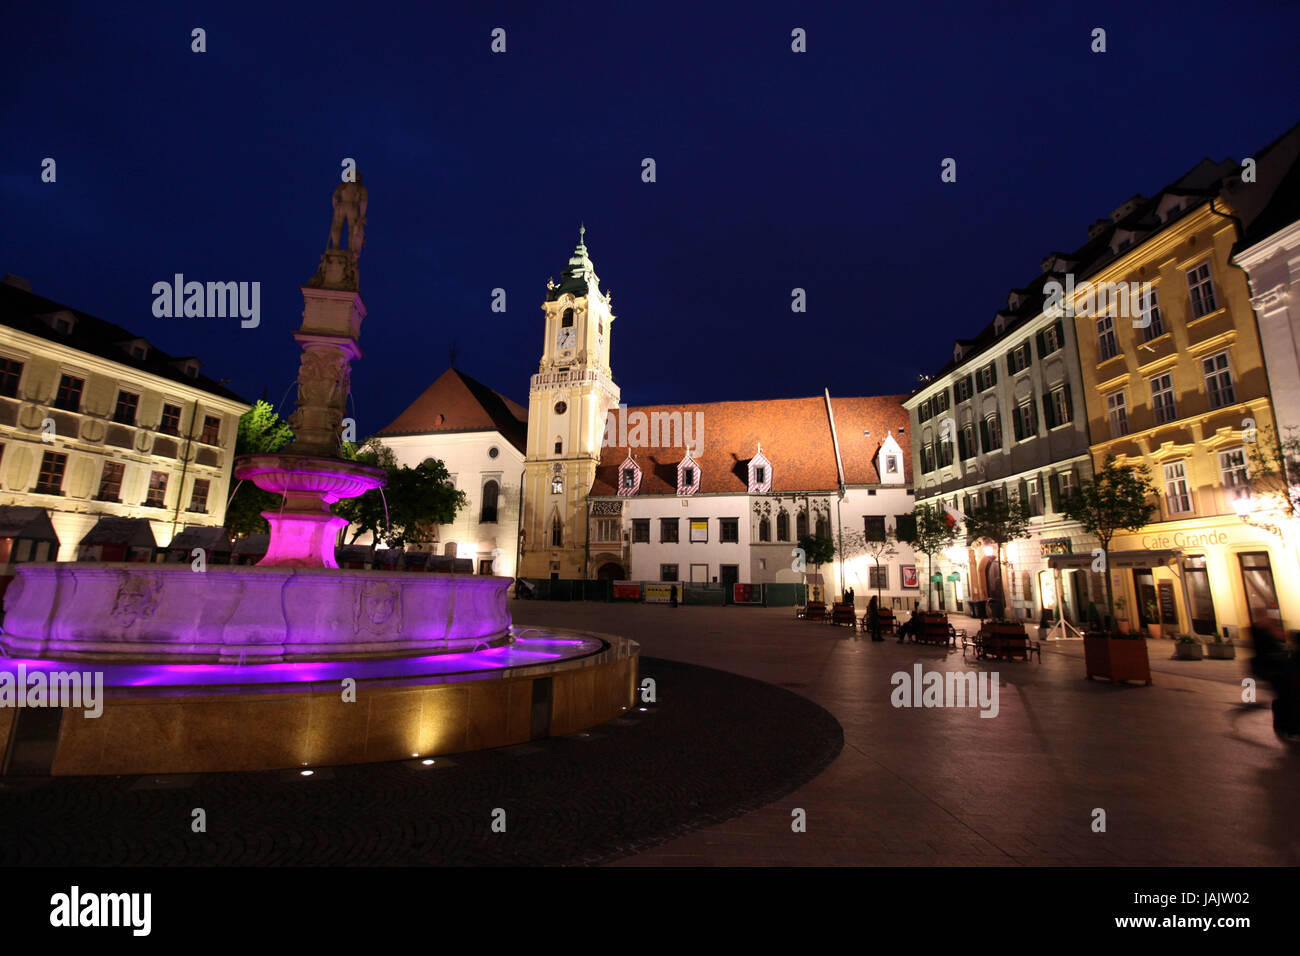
x,y
325,480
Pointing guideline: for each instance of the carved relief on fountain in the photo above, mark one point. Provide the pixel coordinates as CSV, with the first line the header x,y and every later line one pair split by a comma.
x,y
378,612
137,599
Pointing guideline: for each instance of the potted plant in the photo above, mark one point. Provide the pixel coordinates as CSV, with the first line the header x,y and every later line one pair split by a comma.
x,y
1121,619
1153,616
1117,498
1187,648
1220,649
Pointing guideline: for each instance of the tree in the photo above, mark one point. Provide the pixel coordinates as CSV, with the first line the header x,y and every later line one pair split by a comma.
x,y
409,508
1117,498
1000,521
1273,483
261,432
935,531
817,551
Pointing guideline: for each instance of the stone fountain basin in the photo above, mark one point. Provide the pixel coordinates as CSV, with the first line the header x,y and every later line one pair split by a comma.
x,y
172,614
328,479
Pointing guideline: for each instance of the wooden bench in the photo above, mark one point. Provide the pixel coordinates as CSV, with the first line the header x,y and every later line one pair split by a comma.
x,y
932,629
843,614
815,611
888,622
1004,642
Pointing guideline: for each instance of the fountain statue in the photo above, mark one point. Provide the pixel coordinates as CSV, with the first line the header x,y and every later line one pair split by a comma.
x,y
239,668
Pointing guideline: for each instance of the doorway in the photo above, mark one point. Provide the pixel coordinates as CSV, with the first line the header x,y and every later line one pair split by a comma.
x,y
730,574
1198,593
1261,595
1144,586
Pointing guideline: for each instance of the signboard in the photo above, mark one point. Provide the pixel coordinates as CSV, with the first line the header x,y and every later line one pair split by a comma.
x,y
659,593
747,593
1055,546
626,591
699,529
1168,610
910,578
954,576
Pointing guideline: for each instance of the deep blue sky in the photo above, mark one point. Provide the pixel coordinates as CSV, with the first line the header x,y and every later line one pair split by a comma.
x,y
775,170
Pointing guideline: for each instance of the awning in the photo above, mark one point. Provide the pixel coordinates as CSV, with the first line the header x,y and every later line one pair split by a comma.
x,y
132,532
210,539
26,521
253,544
1118,559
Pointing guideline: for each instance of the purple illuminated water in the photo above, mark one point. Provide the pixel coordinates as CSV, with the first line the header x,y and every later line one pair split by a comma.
x,y
523,651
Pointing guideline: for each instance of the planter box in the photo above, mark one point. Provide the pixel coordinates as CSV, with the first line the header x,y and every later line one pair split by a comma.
x,y
1116,658
1221,652
1188,652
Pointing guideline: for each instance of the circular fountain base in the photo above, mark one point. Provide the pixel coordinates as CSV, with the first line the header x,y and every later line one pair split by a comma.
x,y
195,718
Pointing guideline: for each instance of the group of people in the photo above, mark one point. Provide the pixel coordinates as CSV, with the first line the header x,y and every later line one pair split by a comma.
x,y
873,622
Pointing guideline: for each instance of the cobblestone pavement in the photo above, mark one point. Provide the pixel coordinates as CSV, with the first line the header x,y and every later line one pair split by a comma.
x,y
1185,773
714,745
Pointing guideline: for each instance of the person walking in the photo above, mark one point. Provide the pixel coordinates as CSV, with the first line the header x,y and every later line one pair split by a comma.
x,y
873,620
672,597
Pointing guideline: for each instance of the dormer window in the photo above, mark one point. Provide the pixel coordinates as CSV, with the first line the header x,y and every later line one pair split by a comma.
x,y
189,367
688,476
62,322
889,460
760,473
629,477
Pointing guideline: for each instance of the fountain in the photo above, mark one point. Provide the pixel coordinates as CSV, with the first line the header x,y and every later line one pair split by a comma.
x,y
296,662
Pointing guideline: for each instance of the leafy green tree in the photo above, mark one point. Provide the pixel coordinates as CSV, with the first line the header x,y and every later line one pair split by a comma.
x,y
935,532
1115,499
418,499
261,432
1000,521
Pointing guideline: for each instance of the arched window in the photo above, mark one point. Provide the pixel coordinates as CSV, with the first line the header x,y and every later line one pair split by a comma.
x,y
449,549
783,527
822,530
765,528
567,321
801,525
488,513
557,533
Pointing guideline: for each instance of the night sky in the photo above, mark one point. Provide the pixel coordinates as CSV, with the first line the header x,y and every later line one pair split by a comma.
x,y
775,170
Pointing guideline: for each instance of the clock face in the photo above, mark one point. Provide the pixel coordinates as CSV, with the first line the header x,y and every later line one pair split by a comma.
x,y
566,339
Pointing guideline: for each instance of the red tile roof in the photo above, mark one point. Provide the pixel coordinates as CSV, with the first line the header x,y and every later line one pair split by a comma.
x,y
458,403
796,438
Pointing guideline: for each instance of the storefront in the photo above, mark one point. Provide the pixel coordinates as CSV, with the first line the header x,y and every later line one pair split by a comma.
x,y
1224,574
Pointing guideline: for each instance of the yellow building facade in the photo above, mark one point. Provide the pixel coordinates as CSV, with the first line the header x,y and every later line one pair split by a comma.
x,y
1175,380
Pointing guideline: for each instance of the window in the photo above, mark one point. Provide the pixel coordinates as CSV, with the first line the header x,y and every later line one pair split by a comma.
x,y
199,496
941,403
688,477
783,526
171,420
488,511
493,451
641,530
157,496
991,433
878,577
211,430
668,530
874,527
1117,414
1218,380
10,373
559,448
891,464
1025,422
923,411
986,377
945,453
1200,288
728,530
801,525
607,529
1236,476
1107,347
927,457
1155,324
1058,408
50,481
1178,498
69,396
905,527
1066,484
962,389
1033,498
557,484
764,528
561,408
124,413
567,321
110,482
1162,398
760,475
1050,339
1018,359
668,572
966,441
823,530
557,533
629,478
